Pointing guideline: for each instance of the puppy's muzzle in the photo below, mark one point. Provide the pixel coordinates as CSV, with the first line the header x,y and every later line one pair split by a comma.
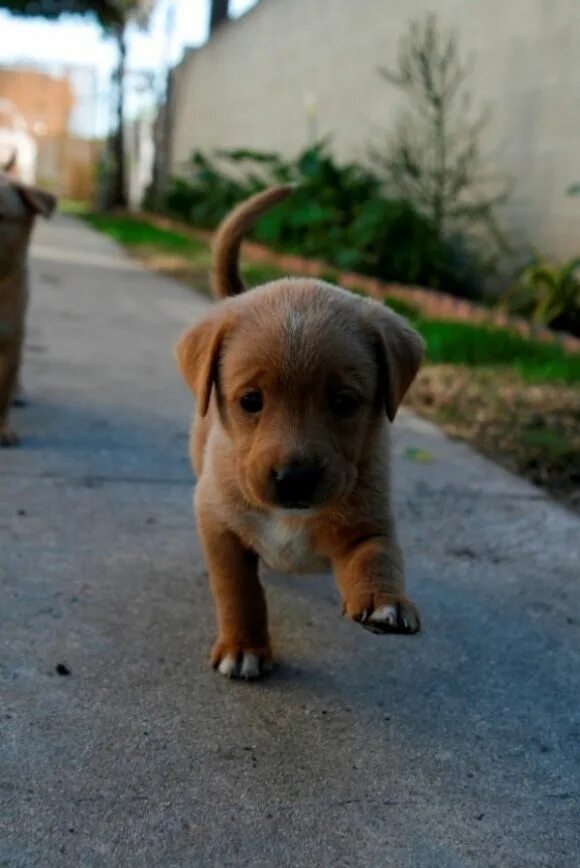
x,y
296,484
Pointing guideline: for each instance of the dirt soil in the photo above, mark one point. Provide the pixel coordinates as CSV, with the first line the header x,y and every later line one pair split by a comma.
x,y
531,429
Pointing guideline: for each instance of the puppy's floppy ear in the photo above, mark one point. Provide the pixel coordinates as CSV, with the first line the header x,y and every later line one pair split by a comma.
x,y
40,201
197,354
400,351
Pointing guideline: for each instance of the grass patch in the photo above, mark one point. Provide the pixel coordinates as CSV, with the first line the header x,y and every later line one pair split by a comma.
x,y
171,251
74,207
136,232
163,249
475,346
254,274
331,276
480,346
404,308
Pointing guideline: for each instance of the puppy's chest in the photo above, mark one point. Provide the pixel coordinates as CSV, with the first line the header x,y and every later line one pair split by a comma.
x,y
286,546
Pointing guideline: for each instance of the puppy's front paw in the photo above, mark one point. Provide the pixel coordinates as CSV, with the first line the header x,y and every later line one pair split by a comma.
x,y
8,438
384,613
233,661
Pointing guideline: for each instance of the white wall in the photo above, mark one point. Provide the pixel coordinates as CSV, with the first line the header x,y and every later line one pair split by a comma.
x,y
251,84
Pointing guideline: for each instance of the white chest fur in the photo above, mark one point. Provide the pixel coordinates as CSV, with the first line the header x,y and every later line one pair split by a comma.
x,y
286,545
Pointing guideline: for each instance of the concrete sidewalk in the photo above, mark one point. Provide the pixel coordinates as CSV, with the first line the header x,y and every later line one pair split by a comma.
x,y
459,747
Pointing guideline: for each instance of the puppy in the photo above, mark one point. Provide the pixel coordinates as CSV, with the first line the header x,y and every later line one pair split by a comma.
x,y
294,383
19,205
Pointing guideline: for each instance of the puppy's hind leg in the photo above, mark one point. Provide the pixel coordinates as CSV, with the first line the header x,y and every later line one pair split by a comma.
x,y
242,649
370,577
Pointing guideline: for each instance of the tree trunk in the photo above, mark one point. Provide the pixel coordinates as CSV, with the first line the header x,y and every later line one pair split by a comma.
x,y
218,13
162,159
118,182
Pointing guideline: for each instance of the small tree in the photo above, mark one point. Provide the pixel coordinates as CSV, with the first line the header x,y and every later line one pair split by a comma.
x,y
434,158
114,16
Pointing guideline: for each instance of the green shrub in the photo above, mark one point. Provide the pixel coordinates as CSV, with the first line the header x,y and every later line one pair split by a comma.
x,y
548,294
338,213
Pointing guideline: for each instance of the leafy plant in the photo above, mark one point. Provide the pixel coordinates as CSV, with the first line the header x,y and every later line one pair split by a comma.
x,y
548,294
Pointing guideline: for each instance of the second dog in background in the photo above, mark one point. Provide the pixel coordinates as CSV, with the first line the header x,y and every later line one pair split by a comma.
x,y
19,206
296,382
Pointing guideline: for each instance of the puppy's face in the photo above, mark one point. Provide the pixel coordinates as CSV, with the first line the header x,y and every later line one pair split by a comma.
x,y
302,374
19,204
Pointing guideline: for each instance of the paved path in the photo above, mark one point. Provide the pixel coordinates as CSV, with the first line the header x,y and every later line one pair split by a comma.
x,y
460,747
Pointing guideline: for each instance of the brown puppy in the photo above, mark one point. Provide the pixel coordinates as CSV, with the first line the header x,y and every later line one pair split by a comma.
x,y
19,205
294,382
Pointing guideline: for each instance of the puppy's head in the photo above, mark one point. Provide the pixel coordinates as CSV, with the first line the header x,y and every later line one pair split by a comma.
x,y
302,375
19,205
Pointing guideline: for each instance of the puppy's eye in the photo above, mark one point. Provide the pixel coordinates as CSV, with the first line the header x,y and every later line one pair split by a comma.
x,y
252,402
344,404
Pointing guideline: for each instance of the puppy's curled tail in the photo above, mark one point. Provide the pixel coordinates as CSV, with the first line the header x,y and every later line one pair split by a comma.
x,y
225,275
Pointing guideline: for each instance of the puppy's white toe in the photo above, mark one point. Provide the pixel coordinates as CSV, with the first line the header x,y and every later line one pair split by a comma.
x,y
229,667
401,616
384,615
250,666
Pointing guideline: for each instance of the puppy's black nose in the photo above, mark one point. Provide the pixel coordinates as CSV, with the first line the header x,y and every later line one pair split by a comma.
x,y
295,484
